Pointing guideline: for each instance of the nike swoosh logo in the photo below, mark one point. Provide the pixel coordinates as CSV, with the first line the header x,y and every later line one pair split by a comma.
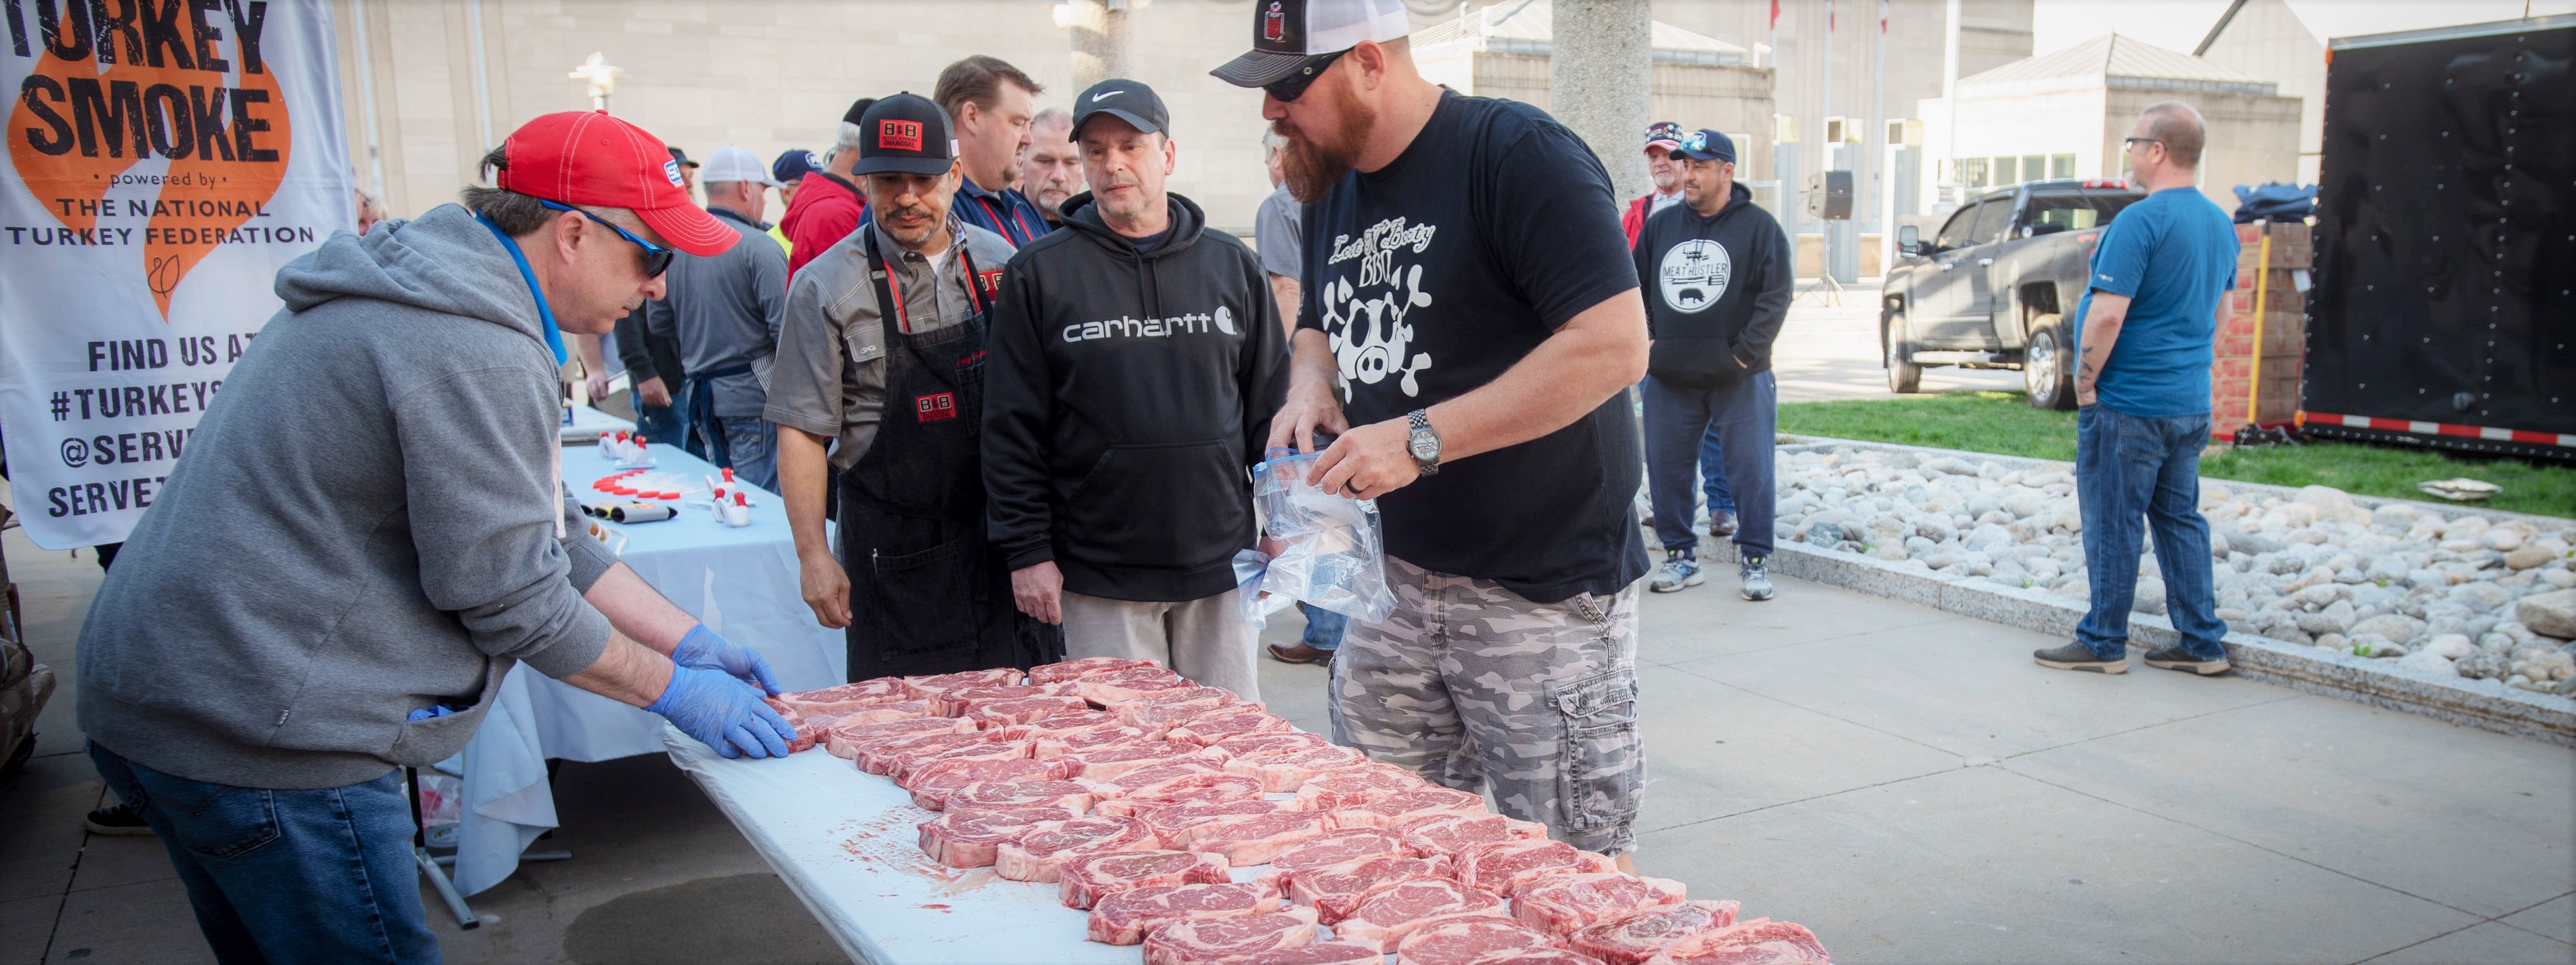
x,y
1097,98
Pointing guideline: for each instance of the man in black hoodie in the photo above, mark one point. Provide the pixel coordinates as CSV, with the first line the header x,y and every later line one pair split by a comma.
x,y
1135,366
1715,270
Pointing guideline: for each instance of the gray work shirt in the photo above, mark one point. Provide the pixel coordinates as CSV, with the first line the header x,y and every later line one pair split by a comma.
x,y
725,312
1280,228
829,378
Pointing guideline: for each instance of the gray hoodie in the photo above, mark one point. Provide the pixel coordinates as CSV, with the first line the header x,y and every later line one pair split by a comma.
x,y
363,525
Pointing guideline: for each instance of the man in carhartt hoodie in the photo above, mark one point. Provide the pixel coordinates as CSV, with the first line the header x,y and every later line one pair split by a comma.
x,y
1136,362
368,529
1715,272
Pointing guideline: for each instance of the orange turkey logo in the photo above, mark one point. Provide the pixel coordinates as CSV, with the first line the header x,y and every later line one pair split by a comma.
x,y
167,79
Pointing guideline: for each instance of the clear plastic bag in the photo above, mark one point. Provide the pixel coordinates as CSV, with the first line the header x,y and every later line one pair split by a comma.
x,y
1333,550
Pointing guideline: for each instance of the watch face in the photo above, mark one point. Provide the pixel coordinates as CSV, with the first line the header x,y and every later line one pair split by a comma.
x,y
1425,447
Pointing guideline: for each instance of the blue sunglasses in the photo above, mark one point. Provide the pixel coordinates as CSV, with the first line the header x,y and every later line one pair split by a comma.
x,y
657,259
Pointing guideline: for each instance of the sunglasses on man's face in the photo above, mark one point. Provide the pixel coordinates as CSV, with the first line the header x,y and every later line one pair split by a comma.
x,y
657,259
1287,89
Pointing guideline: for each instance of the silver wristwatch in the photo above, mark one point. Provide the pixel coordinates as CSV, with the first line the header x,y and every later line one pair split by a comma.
x,y
1424,444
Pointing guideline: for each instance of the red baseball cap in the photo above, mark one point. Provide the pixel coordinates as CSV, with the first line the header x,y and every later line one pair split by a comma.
x,y
588,157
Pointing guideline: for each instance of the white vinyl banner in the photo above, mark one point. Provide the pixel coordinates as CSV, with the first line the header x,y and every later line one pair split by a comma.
x,y
166,158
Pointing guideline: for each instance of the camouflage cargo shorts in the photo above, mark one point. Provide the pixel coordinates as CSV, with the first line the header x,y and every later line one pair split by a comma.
x,y
1473,686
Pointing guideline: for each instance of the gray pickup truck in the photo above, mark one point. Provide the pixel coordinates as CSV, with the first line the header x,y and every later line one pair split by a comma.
x,y
1997,287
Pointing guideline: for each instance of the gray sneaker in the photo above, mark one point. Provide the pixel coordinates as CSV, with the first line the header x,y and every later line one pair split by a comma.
x,y
1680,569
2077,656
2177,658
1757,577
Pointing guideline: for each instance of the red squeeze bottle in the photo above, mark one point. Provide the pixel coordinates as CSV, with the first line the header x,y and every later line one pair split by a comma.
x,y
728,474
621,435
738,498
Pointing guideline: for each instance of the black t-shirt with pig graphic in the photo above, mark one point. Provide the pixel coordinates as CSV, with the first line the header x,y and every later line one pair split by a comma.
x,y
1429,278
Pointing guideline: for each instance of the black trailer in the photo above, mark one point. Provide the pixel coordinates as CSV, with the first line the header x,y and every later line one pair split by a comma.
x,y
2446,241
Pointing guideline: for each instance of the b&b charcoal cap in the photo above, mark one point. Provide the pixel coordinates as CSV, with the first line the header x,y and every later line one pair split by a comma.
x,y
906,134
1291,35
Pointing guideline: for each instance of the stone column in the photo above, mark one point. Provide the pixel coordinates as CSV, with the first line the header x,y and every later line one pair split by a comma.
x,y
1601,79
1103,40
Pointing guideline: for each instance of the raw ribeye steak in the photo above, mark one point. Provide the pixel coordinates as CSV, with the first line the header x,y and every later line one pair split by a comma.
x,y
1564,904
880,755
1251,841
1396,910
1152,776
955,703
846,738
1227,722
1082,882
1638,936
846,697
1056,673
1337,847
1467,941
1503,867
1177,824
1124,918
929,688
1353,786
891,710
1537,956
1218,939
1282,771
969,839
911,758
1393,809
1074,741
1320,953
986,795
1061,723
1290,740
1037,855
1209,788
1108,763
996,714
1757,942
1453,833
1334,891
1116,687
932,783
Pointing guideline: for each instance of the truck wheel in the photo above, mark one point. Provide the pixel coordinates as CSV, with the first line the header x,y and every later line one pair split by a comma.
x,y
1903,376
2047,367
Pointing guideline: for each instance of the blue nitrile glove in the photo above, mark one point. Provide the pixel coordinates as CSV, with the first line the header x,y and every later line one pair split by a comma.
x,y
722,713
703,649
433,710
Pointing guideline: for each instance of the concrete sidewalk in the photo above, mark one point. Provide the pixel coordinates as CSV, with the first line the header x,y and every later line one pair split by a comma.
x,y
1901,780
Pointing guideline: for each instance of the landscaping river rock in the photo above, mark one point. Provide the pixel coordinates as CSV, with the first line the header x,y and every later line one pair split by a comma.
x,y
2447,591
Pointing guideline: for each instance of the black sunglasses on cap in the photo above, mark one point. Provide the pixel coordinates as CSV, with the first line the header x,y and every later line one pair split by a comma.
x,y
1287,89
657,259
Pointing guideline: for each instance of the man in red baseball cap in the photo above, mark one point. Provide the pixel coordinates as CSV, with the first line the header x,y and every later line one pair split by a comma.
x,y
369,529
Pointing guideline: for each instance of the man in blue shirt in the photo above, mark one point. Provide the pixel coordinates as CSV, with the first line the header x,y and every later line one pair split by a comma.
x,y
2142,390
990,104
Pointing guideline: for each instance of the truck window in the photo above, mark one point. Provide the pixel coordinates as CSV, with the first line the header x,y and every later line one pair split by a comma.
x,y
1954,233
1991,218
2052,213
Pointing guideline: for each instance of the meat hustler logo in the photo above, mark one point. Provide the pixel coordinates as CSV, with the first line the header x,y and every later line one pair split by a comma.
x,y
1365,321
1693,275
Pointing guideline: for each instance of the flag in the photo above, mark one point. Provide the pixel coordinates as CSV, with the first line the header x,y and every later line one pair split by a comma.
x,y
1829,16
1882,16
1775,15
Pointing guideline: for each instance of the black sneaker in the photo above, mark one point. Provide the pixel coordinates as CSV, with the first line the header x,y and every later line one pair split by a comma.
x,y
2076,656
2176,658
117,820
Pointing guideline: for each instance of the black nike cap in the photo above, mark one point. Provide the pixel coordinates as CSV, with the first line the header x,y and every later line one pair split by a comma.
x,y
1125,100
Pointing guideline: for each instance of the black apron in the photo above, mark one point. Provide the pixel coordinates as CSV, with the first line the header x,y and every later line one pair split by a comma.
x,y
928,593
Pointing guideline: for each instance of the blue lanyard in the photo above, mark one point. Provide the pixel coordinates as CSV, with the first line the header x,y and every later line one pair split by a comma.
x,y
554,336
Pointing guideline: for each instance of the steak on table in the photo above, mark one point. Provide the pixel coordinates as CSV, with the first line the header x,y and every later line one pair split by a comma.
x,y
1393,809
1124,917
1039,854
911,758
1757,942
1633,938
955,703
1169,769
885,757
1537,956
1202,940
893,710
1115,687
1227,722
1056,673
1250,841
1060,723
1564,904
1338,847
1113,761
1177,824
845,697
1082,882
1076,740
1287,740
1282,771
1469,941
1386,917
993,714
969,839
1334,891
1504,866
1320,953
929,688
932,783
1208,788
1453,833
989,794
1352,786
847,738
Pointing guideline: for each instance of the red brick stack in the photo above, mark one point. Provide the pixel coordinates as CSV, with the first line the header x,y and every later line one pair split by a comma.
x,y
2269,306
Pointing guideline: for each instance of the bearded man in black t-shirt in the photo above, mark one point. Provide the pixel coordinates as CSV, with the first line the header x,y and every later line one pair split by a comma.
x,y
1469,318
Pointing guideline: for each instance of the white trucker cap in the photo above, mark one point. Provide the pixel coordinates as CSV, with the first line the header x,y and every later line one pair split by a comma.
x,y
1290,37
733,162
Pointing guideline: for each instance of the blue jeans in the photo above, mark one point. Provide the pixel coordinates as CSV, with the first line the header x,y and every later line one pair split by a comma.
x,y
287,876
666,425
1712,473
1323,627
747,446
1679,420
2131,467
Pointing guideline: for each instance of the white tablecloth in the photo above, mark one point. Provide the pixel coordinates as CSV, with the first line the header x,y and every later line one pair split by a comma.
x,y
742,582
846,844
